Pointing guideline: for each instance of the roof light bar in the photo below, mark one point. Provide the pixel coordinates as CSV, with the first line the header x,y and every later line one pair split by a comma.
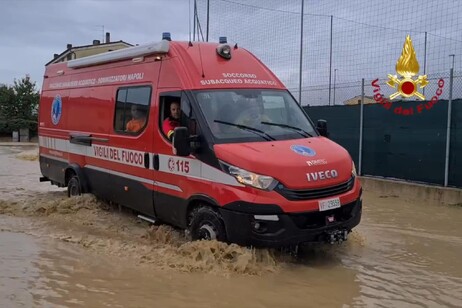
x,y
166,36
121,54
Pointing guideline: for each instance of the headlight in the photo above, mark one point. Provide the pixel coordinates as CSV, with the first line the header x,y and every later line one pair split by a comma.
x,y
251,179
353,169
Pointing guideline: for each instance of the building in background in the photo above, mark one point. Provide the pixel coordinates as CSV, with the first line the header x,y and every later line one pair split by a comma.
x,y
357,100
97,47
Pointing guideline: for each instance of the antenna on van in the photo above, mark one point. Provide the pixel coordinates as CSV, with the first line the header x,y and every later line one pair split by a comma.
x,y
190,44
200,55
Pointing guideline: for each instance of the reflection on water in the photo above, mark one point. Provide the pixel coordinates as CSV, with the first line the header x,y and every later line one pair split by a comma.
x,y
57,274
16,269
69,252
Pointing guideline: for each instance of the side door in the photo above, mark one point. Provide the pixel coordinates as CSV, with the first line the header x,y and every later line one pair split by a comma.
x,y
171,172
120,171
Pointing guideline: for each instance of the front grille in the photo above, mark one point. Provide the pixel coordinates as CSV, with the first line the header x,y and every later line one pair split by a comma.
x,y
309,194
314,220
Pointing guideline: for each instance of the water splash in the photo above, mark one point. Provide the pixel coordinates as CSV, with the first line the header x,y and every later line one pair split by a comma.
x,y
31,155
95,225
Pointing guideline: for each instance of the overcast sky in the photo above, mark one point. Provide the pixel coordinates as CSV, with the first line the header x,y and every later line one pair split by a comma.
x,y
33,30
367,35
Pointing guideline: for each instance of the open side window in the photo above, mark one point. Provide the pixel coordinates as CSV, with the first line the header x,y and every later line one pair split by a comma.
x,y
132,109
185,118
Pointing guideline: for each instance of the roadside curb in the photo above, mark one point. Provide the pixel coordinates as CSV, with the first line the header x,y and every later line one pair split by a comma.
x,y
415,191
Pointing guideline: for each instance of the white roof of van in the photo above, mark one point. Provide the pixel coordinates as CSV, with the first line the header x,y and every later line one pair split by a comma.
x,y
121,54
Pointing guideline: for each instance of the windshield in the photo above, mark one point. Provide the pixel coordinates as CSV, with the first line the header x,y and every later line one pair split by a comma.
x,y
243,115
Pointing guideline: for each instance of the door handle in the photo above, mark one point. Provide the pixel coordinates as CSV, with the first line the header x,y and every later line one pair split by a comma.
x,y
146,160
85,139
155,161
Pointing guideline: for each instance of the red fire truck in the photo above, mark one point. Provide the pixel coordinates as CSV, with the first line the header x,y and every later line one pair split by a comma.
x,y
243,164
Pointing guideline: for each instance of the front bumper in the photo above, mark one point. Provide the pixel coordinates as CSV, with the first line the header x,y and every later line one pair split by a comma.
x,y
248,226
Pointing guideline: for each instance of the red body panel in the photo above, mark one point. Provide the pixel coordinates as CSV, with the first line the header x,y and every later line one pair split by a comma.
x,y
88,99
276,159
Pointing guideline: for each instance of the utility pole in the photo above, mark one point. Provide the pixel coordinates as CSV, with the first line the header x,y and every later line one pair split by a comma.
x,y
425,59
335,75
453,56
208,11
301,57
194,21
330,60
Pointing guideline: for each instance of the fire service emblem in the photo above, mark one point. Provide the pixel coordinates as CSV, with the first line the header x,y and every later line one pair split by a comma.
x,y
407,66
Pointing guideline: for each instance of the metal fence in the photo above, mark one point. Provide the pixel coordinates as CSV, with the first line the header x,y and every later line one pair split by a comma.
x,y
416,140
328,53
316,46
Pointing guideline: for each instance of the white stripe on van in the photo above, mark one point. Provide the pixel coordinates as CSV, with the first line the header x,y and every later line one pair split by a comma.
x,y
135,178
191,168
119,155
194,168
168,186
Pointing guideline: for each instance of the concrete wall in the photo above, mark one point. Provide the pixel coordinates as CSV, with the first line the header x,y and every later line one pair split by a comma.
x,y
412,191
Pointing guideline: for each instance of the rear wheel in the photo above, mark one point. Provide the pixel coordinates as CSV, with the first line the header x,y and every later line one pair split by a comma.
x,y
207,224
73,187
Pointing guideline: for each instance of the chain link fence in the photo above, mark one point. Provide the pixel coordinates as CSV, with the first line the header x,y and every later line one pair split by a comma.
x,y
339,43
323,50
415,140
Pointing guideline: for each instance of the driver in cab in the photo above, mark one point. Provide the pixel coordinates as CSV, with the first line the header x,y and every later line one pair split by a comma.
x,y
172,121
252,114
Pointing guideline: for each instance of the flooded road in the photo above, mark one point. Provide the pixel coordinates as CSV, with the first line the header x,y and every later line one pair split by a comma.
x,y
78,252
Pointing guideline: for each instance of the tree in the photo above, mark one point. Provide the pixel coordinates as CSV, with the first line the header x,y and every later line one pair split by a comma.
x,y
7,98
18,105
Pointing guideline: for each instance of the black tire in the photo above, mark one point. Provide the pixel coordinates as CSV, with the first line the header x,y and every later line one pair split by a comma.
x,y
73,187
207,224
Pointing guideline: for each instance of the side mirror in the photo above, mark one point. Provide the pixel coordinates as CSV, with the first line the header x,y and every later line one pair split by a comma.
x,y
321,126
181,142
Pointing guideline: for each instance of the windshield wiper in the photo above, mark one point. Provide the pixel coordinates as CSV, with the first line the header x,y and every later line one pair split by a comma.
x,y
298,130
245,127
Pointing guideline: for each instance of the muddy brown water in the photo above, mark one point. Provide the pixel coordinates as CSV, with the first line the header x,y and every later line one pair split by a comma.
x,y
78,252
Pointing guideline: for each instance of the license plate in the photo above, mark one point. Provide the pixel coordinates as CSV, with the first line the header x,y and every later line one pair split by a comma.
x,y
329,204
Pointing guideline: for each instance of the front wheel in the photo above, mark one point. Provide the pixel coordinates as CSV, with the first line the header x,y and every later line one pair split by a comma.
x,y
207,224
73,187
